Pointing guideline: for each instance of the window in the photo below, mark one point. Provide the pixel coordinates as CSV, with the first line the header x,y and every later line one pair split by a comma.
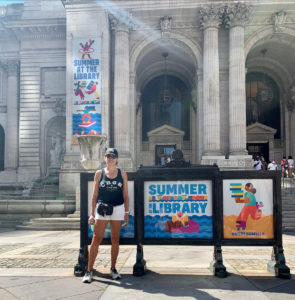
x,y
173,110
164,154
263,101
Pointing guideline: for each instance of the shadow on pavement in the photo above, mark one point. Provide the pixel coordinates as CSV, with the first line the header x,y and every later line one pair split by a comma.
x,y
197,286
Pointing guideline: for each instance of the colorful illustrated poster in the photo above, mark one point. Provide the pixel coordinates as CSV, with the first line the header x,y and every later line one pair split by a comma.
x,y
86,106
248,209
178,209
126,232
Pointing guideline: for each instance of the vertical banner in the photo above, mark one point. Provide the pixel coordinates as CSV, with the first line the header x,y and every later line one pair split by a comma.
x,y
178,209
126,231
86,100
248,209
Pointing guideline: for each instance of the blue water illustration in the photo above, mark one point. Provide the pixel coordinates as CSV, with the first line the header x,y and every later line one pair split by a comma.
x,y
154,227
77,119
126,232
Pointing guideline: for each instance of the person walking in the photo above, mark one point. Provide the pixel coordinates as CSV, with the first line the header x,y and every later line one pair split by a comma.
x,y
109,203
284,166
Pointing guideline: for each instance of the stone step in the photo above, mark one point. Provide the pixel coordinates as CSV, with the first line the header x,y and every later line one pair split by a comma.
x,y
288,220
11,221
51,224
289,229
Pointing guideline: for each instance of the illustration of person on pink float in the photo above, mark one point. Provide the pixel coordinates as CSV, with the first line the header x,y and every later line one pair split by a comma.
x,y
251,207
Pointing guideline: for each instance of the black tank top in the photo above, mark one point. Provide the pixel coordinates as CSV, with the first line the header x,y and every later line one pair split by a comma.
x,y
111,190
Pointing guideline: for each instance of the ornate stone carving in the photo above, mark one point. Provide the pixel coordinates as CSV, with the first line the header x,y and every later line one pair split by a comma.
x,y
236,15
211,16
121,21
57,151
279,19
166,25
290,103
60,106
11,66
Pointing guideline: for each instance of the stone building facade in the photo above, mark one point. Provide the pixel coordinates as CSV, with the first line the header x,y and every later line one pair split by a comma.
x,y
213,78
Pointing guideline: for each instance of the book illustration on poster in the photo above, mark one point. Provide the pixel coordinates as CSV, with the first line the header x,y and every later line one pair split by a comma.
x,y
248,209
251,208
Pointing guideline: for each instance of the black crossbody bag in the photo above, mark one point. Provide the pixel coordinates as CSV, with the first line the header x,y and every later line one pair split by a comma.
x,y
104,209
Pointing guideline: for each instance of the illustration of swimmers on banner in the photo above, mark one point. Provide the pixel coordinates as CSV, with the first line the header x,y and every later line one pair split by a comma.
x,y
251,207
86,107
248,208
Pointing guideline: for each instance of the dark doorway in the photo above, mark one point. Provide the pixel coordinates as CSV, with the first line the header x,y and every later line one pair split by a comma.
x,y
2,148
258,149
173,109
263,101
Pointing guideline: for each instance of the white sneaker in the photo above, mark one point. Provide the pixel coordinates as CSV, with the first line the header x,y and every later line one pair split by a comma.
x,y
87,277
114,274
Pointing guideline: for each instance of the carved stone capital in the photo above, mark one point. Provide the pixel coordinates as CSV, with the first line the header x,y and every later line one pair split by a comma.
x,y
211,16
166,25
11,66
236,15
279,19
60,106
121,21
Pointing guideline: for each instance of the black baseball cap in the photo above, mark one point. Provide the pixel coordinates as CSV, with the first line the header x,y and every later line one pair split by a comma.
x,y
112,151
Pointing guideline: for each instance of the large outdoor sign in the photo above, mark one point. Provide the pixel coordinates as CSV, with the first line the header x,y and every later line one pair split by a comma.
x,y
248,209
196,205
86,100
178,209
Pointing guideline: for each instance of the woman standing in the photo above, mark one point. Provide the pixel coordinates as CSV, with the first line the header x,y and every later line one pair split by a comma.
x,y
110,203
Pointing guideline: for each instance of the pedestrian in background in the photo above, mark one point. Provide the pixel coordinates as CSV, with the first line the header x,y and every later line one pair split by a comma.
x,y
284,166
272,166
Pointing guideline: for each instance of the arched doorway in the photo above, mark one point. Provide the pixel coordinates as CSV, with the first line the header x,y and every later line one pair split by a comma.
x,y
166,122
2,148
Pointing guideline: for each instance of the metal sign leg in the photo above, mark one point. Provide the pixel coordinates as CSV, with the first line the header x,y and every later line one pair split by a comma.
x,y
216,266
140,265
277,265
81,266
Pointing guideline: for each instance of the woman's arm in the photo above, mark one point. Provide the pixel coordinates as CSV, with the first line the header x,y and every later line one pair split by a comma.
x,y
126,197
95,193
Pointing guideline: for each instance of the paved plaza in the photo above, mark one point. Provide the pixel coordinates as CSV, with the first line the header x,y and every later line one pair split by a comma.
x,y
39,265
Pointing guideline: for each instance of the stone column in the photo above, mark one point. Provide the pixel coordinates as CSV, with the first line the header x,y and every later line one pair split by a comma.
x,y
122,118
236,18
290,105
11,144
211,18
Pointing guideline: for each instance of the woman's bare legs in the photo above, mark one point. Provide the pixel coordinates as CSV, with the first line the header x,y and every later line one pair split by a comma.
x,y
115,238
99,229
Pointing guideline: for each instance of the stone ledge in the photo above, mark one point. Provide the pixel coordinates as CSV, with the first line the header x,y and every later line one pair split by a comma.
x,y
234,162
37,206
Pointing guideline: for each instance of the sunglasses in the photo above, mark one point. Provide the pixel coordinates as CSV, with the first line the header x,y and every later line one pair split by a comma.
x,y
111,156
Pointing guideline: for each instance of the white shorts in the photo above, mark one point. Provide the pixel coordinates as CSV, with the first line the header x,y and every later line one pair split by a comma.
x,y
117,215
